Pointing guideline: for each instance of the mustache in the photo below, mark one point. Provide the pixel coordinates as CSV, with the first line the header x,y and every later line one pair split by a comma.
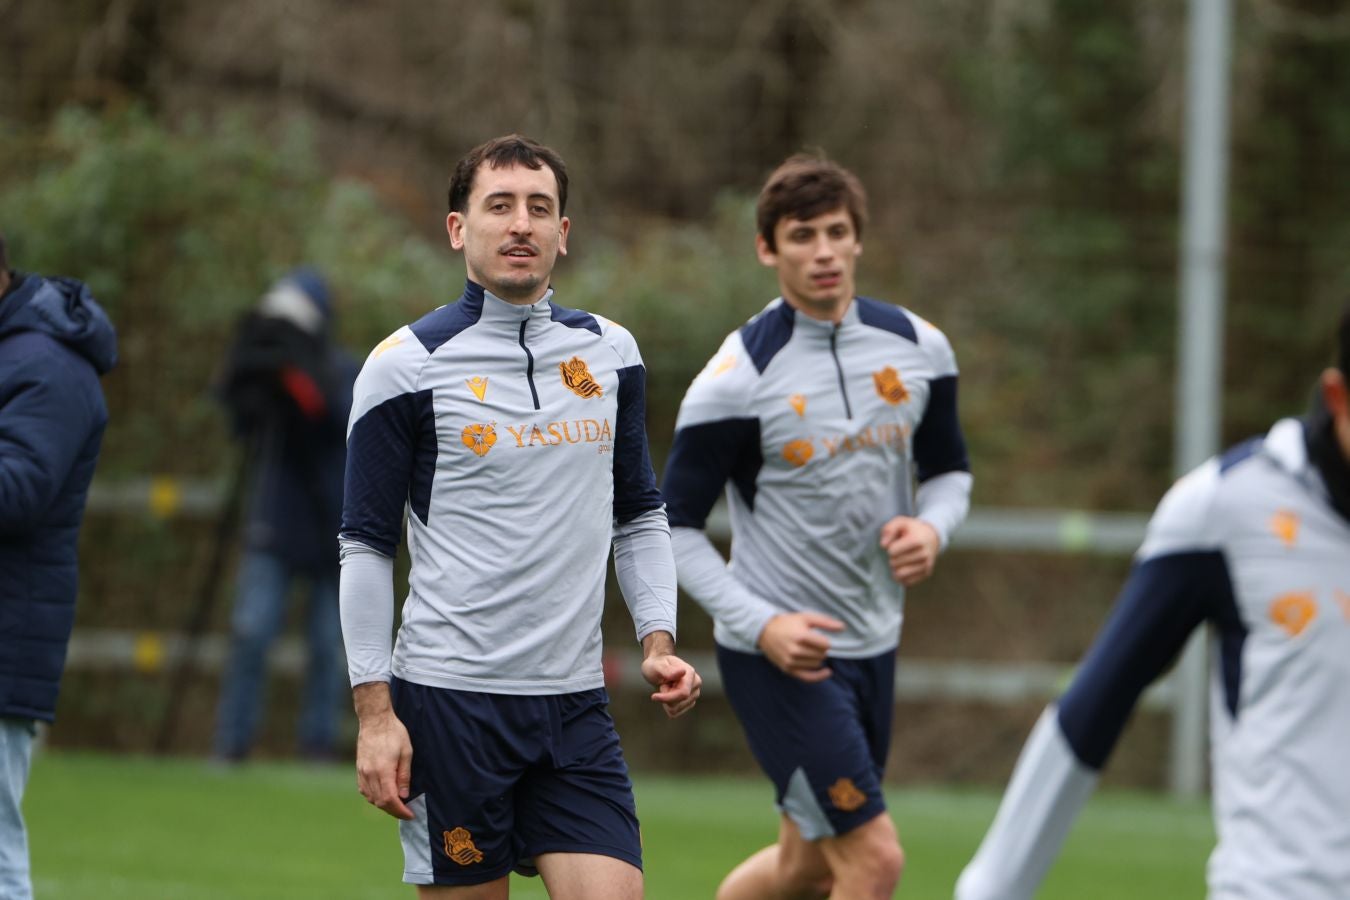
x,y
519,245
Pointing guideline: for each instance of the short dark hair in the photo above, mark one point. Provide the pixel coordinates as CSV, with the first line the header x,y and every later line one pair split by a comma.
x,y
807,185
508,150
4,258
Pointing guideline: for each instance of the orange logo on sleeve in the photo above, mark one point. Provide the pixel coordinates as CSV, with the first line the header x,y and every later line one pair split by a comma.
x,y
889,386
459,847
1293,612
479,438
578,378
1285,526
392,341
798,402
477,384
844,794
798,453
725,364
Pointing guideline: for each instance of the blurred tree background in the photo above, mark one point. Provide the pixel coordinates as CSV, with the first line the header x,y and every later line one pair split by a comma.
x,y
1022,158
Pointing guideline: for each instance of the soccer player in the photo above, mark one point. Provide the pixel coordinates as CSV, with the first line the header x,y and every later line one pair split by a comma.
x,y
511,430
1255,544
817,416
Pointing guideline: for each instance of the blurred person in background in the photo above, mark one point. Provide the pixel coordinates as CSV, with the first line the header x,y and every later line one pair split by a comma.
x,y
817,417
288,389
55,343
1255,545
511,431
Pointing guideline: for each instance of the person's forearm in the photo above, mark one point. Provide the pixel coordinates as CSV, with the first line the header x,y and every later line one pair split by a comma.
x,y
371,700
658,643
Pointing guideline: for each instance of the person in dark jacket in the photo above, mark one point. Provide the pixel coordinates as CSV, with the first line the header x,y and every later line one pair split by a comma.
x,y
288,390
55,342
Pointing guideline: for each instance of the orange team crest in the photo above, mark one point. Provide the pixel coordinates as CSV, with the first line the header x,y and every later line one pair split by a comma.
x,y
1293,612
459,847
578,378
889,386
798,453
479,438
1285,526
798,402
844,794
477,384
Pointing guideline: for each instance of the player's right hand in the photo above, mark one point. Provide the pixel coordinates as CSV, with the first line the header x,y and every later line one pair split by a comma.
x,y
793,643
384,763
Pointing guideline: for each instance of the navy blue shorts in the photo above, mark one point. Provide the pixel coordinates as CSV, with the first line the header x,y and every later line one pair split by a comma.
x,y
498,779
823,744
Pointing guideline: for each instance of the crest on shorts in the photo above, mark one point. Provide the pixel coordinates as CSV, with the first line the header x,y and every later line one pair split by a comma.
x,y
889,386
459,847
845,796
479,438
578,378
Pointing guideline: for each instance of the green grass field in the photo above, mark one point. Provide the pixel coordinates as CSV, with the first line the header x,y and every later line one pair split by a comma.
x,y
122,828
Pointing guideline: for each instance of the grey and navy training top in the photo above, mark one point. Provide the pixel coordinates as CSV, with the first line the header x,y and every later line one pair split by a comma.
x,y
1249,544
817,431
514,439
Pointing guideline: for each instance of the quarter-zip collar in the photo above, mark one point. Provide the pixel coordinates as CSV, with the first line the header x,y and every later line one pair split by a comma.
x,y
820,327
494,311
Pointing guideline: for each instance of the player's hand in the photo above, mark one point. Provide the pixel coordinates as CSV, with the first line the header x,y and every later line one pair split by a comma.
x,y
793,643
383,759
677,684
912,547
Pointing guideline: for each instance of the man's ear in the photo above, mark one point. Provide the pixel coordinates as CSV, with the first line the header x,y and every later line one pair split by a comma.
x,y
454,227
766,256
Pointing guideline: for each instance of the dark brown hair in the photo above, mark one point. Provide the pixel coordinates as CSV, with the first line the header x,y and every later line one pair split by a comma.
x,y
505,151
4,259
807,185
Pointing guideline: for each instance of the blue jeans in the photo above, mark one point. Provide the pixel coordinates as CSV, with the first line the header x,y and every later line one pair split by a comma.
x,y
16,756
259,617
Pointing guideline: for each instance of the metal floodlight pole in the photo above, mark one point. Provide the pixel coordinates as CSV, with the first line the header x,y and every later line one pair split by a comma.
x,y
1200,350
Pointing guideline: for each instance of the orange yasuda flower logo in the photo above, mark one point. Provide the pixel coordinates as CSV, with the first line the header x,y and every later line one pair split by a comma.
x,y
798,453
479,438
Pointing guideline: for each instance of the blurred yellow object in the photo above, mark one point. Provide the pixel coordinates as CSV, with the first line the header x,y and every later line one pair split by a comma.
x,y
166,496
147,655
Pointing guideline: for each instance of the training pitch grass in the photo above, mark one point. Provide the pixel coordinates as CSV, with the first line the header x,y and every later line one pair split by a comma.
x,y
133,828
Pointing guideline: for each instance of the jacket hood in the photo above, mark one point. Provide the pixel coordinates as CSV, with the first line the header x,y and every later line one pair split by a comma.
x,y
64,309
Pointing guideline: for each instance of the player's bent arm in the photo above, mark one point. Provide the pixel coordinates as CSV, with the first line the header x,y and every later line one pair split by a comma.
x,y
704,576
1164,600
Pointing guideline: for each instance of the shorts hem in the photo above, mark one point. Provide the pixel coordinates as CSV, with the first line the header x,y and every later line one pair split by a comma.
x,y
467,879
618,853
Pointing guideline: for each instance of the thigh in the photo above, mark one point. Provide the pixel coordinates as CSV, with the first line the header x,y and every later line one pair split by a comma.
x,y
468,755
579,801
816,741
588,876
